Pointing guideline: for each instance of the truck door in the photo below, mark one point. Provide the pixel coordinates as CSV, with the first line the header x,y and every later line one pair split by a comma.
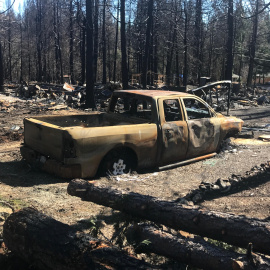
x,y
203,127
174,131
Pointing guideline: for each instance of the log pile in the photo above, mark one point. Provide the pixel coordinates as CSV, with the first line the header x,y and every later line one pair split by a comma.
x,y
236,230
232,229
49,244
192,250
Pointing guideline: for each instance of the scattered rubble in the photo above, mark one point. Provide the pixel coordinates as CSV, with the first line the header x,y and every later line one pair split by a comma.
x,y
74,95
131,176
265,138
49,95
217,94
209,190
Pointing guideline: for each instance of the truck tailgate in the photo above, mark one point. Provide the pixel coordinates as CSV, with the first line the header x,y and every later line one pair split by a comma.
x,y
44,138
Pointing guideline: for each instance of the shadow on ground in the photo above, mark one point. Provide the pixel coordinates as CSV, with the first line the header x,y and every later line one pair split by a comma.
x,y
20,174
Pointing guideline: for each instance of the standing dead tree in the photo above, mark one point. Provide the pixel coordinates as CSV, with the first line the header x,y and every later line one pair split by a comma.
x,y
123,45
90,99
232,229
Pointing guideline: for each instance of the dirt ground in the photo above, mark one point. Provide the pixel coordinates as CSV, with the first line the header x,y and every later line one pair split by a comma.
x,y
21,185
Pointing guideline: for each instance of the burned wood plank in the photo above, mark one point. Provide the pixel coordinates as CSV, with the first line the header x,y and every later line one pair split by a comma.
x,y
49,244
232,229
192,251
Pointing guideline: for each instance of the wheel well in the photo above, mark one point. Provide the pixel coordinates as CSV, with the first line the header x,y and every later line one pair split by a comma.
x,y
232,133
122,149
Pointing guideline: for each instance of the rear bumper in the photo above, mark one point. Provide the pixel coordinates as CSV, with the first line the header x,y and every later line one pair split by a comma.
x,y
50,165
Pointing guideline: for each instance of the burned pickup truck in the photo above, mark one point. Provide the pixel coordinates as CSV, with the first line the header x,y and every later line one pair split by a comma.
x,y
141,129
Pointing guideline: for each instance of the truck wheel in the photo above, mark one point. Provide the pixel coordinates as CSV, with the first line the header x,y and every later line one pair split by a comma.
x,y
118,162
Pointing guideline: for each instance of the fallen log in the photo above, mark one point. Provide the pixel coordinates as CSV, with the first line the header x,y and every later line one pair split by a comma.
x,y
192,251
228,228
49,244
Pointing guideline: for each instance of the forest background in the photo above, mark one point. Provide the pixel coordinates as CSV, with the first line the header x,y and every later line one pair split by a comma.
x,y
176,41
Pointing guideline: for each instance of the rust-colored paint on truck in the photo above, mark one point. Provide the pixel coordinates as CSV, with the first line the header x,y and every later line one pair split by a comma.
x,y
75,146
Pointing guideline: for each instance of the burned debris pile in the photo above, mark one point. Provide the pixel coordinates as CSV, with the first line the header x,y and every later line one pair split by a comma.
x,y
207,190
68,94
221,94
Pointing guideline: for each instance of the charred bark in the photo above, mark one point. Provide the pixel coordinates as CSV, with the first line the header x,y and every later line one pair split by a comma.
x,y
104,49
71,69
82,52
90,99
198,37
191,250
21,53
229,49
170,57
185,71
123,45
147,42
1,70
96,39
9,49
232,229
39,40
116,43
58,54
49,244
252,48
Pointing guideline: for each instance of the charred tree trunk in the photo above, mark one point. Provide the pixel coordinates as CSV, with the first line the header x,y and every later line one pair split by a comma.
x,y
129,45
147,42
109,57
28,46
9,48
123,46
45,74
96,39
185,73
90,98
177,83
229,49
232,229
1,70
58,56
192,251
170,58
211,41
252,48
104,49
21,54
198,37
71,69
82,52
155,56
116,43
49,244
39,40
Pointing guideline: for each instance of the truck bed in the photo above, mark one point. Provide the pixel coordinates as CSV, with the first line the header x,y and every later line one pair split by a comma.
x,y
91,120
49,134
